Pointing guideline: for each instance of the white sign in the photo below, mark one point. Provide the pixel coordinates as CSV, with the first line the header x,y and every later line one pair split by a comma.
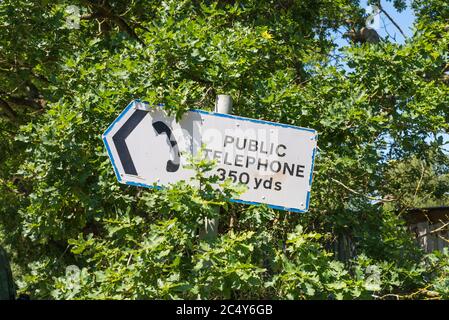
x,y
275,161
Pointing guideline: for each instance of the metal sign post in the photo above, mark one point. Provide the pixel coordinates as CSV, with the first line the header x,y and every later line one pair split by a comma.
x,y
223,105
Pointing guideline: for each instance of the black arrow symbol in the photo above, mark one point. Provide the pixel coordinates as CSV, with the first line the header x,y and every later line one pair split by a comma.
x,y
120,144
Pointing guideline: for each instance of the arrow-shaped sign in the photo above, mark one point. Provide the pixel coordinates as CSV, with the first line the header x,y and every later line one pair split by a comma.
x,y
275,161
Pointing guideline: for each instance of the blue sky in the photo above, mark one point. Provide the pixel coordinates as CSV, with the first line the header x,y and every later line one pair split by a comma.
x,y
404,19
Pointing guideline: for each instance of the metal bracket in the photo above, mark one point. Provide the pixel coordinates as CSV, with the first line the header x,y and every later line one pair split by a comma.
x,y
142,106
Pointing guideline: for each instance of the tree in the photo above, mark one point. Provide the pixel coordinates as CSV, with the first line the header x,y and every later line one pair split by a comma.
x,y
61,205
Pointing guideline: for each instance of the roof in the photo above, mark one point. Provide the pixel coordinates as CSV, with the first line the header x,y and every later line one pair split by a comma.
x,y
430,214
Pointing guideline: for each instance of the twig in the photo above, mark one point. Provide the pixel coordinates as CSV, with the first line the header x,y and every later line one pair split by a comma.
x,y
398,297
5,184
105,10
443,238
406,296
419,182
391,19
60,257
434,231
199,103
128,10
8,110
386,29
361,194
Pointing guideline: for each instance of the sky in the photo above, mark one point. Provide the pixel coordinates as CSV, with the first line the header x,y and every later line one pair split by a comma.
x,y
404,19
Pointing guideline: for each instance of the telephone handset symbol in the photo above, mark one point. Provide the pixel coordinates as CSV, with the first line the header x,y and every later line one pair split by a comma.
x,y
172,165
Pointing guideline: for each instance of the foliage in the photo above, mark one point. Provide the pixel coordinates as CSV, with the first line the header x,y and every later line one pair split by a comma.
x,y
380,110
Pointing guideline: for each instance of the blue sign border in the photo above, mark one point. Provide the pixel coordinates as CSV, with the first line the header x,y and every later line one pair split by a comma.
x,y
131,105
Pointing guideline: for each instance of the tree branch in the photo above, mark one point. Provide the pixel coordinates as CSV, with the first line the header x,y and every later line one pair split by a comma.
x,y
361,194
420,180
391,19
104,10
21,101
441,228
8,110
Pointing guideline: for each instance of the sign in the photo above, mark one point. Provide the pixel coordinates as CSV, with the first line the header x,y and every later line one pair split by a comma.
x,y
148,148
